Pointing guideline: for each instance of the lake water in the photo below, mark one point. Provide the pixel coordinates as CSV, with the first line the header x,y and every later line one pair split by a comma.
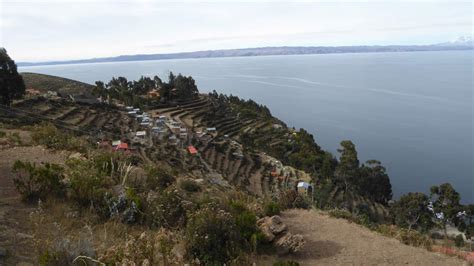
x,y
412,111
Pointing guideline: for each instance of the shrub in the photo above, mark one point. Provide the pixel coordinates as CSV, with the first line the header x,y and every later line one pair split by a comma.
x,y
37,182
166,210
212,237
49,258
127,207
190,186
459,241
3,134
158,179
408,237
293,199
272,208
47,134
88,184
15,138
340,213
286,263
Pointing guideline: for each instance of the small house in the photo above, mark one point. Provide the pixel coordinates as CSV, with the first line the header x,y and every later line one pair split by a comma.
x,y
162,118
140,134
121,147
153,94
211,130
173,140
192,150
304,188
115,143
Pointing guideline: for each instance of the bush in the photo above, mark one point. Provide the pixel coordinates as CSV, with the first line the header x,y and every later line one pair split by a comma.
x,y
3,134
286,263
292,199
48,135
158,179
407,237
212,237
53,258
37,182
127,207
459,241
88,184
272,208
190,186
340,213
166,210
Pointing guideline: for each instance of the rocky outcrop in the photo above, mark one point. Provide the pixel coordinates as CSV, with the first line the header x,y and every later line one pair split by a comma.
x,y
276,233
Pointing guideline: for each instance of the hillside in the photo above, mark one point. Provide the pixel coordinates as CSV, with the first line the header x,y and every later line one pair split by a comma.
x,y
263,51
61,85
186,178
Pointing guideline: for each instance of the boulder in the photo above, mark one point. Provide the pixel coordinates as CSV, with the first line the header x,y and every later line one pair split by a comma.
x,y
272,225
289,243
276,232
77,156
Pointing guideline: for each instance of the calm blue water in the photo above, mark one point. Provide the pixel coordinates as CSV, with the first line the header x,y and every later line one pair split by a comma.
x,y
412,111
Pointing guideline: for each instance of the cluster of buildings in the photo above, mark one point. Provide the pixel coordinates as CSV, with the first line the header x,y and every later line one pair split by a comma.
x,y
159,127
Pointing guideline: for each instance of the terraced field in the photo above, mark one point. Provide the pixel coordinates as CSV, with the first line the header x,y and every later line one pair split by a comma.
x,y
87,119
246,172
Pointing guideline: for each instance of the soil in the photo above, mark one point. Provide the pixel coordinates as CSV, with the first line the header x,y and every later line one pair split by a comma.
x,y
16,236
331,241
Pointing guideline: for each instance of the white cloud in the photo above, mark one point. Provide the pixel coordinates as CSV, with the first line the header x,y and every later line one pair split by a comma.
x,y
54,30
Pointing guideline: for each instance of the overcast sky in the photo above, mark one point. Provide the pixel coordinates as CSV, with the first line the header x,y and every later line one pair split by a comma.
x,y
56,30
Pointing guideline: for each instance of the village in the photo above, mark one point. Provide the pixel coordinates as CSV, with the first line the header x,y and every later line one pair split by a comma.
x,y
159,127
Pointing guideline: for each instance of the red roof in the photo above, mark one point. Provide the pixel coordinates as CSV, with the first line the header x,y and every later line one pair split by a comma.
x,y
122,146
192,149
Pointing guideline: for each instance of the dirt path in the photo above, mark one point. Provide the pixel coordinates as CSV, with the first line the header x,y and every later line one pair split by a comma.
x,y
331,241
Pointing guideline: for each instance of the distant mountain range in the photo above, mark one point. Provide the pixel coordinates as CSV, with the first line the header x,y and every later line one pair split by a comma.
x,y
462,43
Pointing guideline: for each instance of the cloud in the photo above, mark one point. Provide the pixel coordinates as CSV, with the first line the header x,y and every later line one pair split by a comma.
x,y
54,30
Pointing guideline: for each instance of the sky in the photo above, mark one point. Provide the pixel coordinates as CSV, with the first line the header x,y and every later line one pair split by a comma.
x,y
63,29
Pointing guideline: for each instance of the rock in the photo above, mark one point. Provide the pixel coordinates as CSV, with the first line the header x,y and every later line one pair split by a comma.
x,y
267,234
77,155
289,243
275,231
272,226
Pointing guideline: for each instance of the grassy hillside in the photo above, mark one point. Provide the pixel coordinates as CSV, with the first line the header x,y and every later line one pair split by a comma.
x,y
45,83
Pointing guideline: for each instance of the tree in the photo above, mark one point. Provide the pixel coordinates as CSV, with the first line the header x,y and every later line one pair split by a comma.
x,y
348,168
185,87
143,85
446,206
99,89
328,166
412,212
12,85
374,182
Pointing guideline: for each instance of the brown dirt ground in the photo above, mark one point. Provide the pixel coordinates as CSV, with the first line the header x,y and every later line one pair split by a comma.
x,y
331,241
16,235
